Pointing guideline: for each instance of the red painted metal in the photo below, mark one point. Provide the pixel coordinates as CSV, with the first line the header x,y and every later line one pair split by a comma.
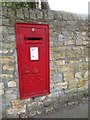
x,y
32,41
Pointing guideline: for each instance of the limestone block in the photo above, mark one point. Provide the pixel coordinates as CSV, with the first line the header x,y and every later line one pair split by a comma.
x,y
26,12
17,102
60,55
10,45
83,66
69,53
38,112
64,85
4,51
85,42
60,62
1,92
11,38
78,75
40,104
9,91
11,96
68,76
51,58
20,13
53,70
64,16
6,76
86,74
69,42
79,41
7,67
4,11
11,12
32,106
32,14
11,84
50,15
32,113
11,30
5,21
59,77
14,110
39,14
6,59
67,68
45,14
72,85
1,85
42,98
1,88
81,83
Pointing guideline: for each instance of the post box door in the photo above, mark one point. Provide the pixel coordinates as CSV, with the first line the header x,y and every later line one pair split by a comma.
x,y
33,59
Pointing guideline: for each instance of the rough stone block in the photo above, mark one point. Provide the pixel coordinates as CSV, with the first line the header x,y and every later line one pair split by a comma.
x,y
26,12
6,60
75,17
5,21
53,70
11,12
5,76
17,102
20,14
72,85
50,15
83,66
60,55
45,15
81,83
49,102
11,84
67,68
59,77
68,76
60,62
1,92
11,30
33,106
64,16
79,41
86,74
39,14
11,96
58,15
70,17
12,22
15,110
7,67
85,43
11,38
4,11
78,75
64,85
32,14
1,85
70,42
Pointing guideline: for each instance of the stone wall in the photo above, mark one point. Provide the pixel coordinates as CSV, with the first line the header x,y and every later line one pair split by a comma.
x,y
68,61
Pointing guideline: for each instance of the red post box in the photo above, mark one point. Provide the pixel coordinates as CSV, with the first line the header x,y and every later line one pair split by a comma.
x,y
32,41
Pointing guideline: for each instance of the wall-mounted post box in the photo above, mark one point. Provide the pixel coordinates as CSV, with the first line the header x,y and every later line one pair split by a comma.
x,y
32,41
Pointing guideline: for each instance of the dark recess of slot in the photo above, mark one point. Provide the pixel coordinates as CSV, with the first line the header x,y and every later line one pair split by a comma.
x,y
31,38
